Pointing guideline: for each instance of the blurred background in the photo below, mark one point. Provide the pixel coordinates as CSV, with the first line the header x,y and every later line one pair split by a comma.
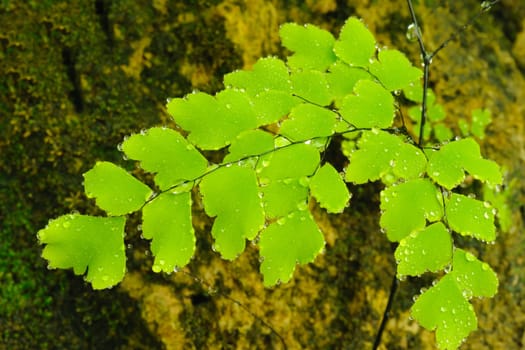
x,y
78,76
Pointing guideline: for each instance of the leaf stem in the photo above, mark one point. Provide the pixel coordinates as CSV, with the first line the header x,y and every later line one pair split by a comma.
x,y
212,291
428,56
386,313
427,60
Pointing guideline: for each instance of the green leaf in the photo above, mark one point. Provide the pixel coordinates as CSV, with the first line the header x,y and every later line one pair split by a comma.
x,y
270,106
342,78
480,119
464,127
293,161
471,217
249,143
474,277
329,189
444,308
281,197
267,74
407,207
442,132
203,116
165,152
436,113
167,221
87,242
389,154
394,70
269,86
500,200
356,44
371,106
115,191
231,194
312,87
427,250
286,242
312,46
414,92
307,121
447,165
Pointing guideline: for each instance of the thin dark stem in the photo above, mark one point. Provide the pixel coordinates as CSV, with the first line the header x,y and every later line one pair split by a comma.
x,y
386,313
427,60
212,291
416,27
485,6
426,71
428,56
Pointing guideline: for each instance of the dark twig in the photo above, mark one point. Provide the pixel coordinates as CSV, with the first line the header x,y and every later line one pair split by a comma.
x,y
485,6
212,291
427,60
428,56
386,313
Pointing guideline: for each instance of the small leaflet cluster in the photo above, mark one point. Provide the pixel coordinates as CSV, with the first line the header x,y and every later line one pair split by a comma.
x,y
274,123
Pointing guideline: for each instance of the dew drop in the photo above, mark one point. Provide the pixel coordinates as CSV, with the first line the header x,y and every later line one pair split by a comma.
x,y
412,32
302,206
470,257
486,6
466,294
